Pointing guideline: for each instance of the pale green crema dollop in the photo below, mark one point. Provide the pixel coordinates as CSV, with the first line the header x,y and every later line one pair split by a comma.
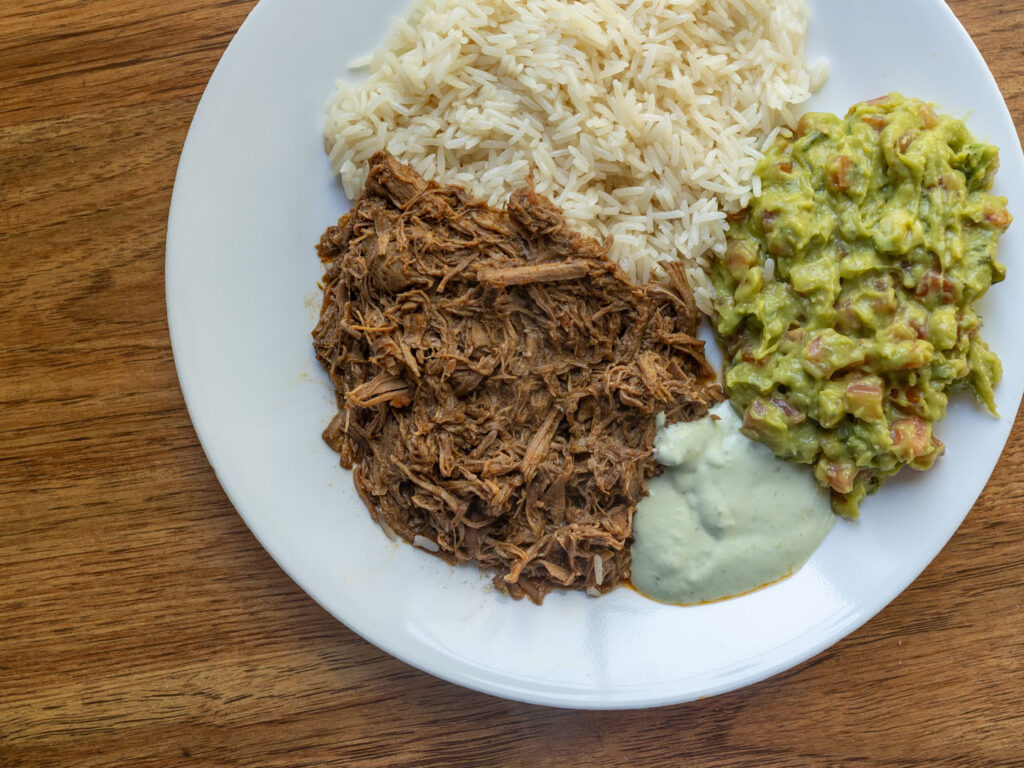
x,y
725,517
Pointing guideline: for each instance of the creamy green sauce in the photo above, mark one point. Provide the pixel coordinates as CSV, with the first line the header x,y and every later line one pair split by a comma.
x,y
726,516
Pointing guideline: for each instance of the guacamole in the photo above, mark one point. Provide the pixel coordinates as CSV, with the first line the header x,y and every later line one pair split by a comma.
x,y
845,294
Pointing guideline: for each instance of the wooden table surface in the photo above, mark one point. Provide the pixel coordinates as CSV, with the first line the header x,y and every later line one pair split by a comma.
x,y
141,624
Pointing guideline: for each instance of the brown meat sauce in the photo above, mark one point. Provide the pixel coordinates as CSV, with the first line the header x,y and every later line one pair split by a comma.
x,y
498,378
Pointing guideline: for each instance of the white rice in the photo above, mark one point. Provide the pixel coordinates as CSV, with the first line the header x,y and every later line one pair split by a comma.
x,y
641,118
424,543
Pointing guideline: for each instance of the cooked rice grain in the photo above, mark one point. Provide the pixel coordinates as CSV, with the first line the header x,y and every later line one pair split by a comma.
x,y
642,119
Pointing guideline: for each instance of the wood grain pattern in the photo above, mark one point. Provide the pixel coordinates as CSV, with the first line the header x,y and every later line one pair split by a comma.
x,y
142,625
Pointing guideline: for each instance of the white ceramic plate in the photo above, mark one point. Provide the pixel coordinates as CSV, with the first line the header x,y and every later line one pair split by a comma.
x,y
254,192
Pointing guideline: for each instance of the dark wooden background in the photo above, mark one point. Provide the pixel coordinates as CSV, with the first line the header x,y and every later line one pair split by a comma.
x,y
142,625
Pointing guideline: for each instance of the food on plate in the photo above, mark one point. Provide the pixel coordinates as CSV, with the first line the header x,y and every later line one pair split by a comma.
x,y
500,373
725,517
641,120
845,295
499,379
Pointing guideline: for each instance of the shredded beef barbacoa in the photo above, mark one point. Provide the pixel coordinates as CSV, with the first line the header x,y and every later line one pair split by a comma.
x,y
498,379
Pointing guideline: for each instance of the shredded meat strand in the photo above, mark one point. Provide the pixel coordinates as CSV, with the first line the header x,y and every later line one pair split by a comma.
x,y
498,378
